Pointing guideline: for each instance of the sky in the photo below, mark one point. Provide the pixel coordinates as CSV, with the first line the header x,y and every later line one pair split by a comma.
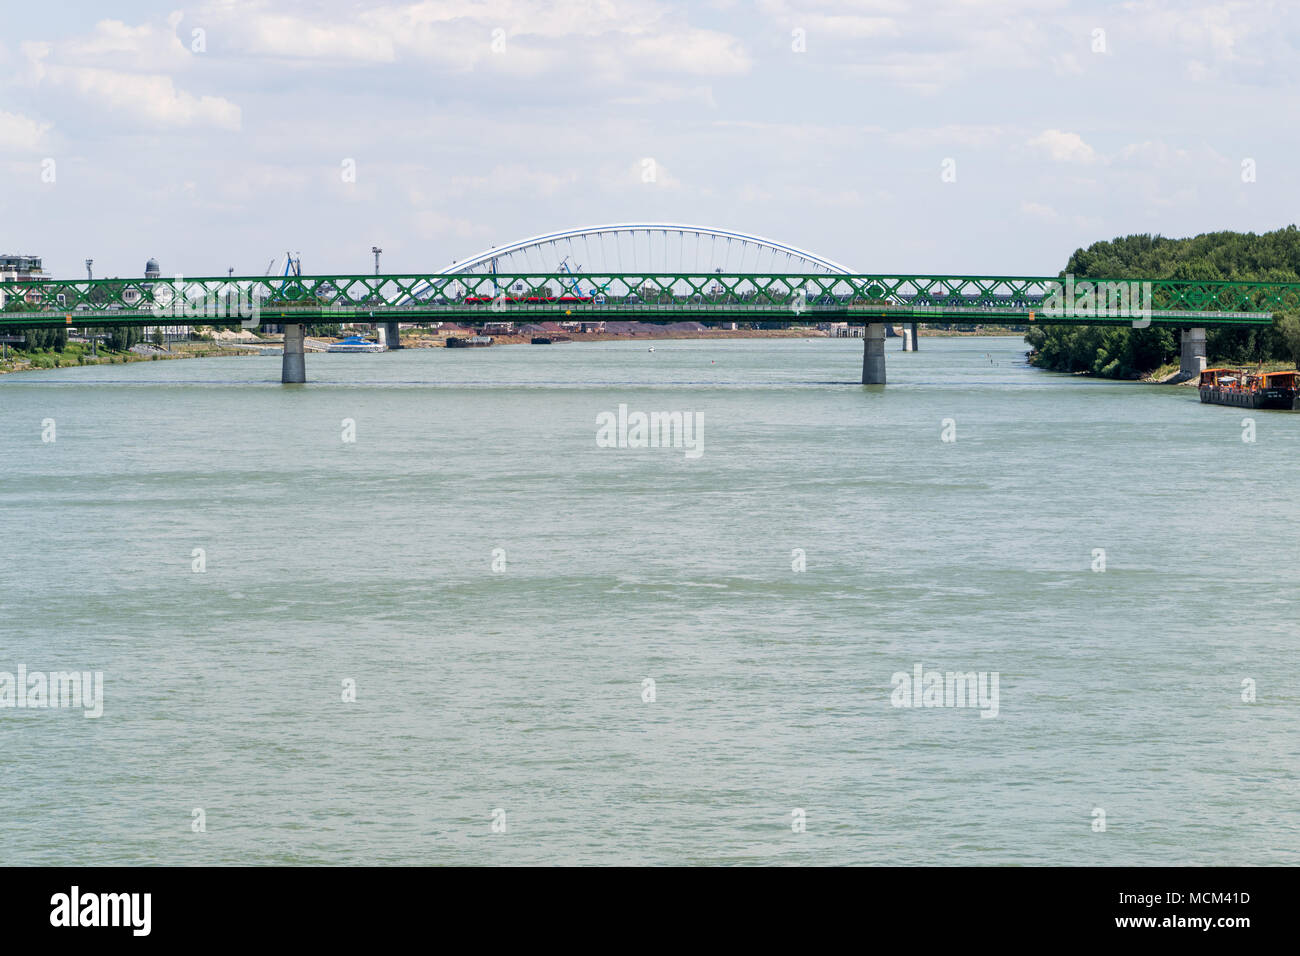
x,y
949,136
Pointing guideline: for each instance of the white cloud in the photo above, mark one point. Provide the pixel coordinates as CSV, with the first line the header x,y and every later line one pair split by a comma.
x,y
296,38
691,51
151,98
1036,210
1064,147
18,132
857,27
552,19
149,47
521,37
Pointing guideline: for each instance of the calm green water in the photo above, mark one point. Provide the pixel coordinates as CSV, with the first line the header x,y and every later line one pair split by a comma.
x,y
521,689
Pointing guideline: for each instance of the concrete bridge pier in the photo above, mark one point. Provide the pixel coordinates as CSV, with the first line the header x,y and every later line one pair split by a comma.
x,y
910,341
1192,360
294,369
873,354
393,335
916,337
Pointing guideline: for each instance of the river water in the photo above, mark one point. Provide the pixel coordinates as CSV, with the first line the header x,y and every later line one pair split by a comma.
x,y
499,591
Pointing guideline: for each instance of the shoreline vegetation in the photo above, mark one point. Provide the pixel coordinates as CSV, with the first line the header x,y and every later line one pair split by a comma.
x,y
77,354
1149,354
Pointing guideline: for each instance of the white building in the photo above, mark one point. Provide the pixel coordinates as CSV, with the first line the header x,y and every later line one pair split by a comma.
x,y
18,268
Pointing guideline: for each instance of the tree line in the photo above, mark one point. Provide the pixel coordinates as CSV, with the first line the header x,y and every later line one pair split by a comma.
x,y
1121,352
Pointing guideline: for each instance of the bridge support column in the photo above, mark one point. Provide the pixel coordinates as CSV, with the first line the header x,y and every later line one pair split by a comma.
x,y
393,334
294,369
916,337
1192,361
910,341
873,354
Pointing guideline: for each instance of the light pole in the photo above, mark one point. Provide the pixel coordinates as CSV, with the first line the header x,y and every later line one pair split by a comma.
x,y
90,275
376,250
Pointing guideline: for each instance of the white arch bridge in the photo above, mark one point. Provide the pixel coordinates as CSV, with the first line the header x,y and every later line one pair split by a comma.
x,y
668,247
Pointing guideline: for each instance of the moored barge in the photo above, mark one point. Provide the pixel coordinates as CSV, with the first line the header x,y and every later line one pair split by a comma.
x,y
1242,389
355,343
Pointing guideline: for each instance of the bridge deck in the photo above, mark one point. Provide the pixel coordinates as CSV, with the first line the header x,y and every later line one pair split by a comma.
x,y
649,314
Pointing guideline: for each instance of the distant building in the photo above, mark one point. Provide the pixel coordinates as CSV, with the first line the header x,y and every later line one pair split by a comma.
x,y
22,269
151,271
131,297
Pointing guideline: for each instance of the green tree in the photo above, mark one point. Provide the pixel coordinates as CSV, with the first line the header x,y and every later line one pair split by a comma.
x,y
1288,331
1120,352
122,337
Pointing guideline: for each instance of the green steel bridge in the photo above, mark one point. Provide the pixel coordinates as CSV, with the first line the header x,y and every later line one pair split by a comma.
x,y
813,290
794,299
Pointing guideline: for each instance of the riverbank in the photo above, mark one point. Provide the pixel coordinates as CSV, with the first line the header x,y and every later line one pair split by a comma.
x,y
75,354
1168,373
